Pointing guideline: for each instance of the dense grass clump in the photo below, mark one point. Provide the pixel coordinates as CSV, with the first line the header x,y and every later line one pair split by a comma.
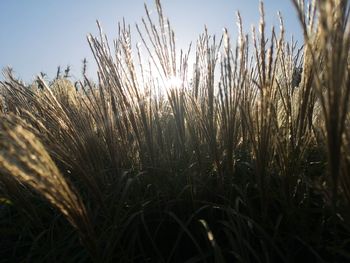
x,y
245,160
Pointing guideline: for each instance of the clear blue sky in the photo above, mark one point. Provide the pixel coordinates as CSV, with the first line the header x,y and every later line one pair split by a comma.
x,y
39,35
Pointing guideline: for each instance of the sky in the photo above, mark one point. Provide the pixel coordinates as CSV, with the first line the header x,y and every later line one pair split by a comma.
x,y
40,35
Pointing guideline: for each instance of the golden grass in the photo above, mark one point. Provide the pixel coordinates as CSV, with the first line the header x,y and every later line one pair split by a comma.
x,y
243,118
24,158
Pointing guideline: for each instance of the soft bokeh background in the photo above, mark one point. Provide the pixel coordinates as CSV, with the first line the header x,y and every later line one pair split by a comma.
x,y
39,35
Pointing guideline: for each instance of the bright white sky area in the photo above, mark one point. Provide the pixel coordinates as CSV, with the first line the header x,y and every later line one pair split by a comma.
x,y
39,35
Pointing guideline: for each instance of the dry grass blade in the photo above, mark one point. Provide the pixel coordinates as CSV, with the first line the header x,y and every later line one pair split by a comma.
x,y
330,61
25,158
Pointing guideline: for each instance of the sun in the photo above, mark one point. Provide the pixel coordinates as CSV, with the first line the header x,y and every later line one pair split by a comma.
x,y
173,82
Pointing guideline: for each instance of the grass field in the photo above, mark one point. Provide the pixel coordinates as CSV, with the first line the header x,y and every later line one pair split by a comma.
x,y
243,156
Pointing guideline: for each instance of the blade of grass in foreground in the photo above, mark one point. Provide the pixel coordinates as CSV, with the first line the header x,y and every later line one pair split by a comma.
x,y
23,157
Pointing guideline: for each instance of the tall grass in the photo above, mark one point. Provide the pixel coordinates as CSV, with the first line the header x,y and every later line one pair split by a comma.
x,y
332,75
247,159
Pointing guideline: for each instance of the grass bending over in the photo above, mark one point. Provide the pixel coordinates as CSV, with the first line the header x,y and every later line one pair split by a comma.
x,y
242,156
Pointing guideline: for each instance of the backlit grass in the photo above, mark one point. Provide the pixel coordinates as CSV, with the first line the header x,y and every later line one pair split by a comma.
x,y
243,156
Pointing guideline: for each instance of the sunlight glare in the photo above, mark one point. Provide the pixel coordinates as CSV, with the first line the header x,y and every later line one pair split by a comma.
x,y
173,82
